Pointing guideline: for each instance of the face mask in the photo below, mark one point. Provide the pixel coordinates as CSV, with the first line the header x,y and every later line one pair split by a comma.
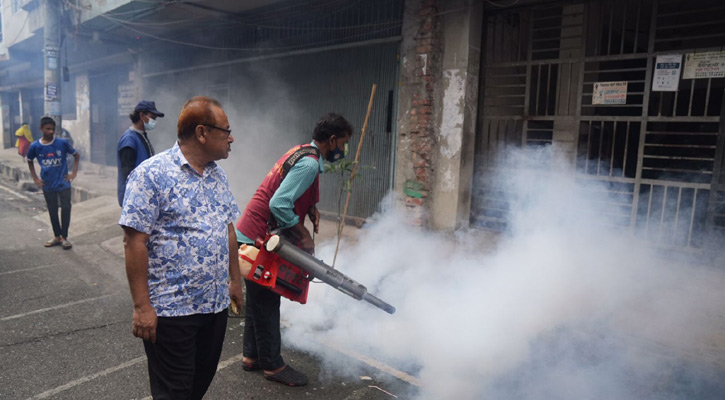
x,y
149,125
335,154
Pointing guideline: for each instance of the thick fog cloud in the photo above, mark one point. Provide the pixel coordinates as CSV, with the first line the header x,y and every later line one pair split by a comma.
x,y
563,306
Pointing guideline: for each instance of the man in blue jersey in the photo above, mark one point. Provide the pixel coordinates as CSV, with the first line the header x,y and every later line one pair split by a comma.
x,y
54,179
134,146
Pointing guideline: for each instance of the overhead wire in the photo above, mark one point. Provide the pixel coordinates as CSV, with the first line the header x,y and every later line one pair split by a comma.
x,y
281,48
111,17
385,26
491,2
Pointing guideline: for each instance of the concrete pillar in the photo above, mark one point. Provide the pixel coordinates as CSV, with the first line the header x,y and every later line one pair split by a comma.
x,y
5,118
416,149
51,52
80,127
456,130
24,99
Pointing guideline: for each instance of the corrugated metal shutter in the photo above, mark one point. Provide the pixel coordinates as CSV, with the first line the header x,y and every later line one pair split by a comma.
x,y
293,92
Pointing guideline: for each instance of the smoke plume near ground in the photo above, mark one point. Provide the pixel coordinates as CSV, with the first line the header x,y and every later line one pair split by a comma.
x,y
564,306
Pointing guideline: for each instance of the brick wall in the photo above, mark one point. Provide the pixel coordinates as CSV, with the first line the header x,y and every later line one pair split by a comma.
x,y
427,51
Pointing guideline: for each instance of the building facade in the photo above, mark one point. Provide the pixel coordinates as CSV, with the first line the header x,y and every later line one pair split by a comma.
x,y
459,83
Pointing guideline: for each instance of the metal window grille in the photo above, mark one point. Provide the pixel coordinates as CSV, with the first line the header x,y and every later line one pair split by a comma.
x,y
659,155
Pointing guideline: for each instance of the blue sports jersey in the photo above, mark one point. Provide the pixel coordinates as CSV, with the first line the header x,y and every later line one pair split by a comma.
x,y
53,164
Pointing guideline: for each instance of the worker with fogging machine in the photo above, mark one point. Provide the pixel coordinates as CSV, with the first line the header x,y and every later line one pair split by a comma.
x,y
288,194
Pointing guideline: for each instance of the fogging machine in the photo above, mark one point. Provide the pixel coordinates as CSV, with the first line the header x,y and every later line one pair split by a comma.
x,y
287,270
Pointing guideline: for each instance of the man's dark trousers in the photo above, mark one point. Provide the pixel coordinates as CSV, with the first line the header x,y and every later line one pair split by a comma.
x,y
60,228
183,361
262,338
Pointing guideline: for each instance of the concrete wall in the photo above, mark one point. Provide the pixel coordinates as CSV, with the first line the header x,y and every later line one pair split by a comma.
x,y
90,9
19,25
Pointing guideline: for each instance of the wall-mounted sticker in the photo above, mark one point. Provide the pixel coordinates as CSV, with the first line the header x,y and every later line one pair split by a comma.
x,y
610,93
51,91
704,65
667,73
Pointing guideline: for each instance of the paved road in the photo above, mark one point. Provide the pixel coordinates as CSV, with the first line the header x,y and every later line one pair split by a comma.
x,y
65,320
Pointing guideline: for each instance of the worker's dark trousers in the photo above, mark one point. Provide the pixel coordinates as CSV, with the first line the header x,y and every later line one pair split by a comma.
x,y
60,228
262,338
183,361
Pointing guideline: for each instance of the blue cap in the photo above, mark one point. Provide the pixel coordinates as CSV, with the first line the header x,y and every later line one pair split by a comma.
x,y
148,106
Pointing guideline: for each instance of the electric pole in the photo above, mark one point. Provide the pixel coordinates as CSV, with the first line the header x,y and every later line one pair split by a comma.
x,y
51,50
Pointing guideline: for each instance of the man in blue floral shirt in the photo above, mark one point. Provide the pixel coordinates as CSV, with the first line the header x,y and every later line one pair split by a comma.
x,y
181,248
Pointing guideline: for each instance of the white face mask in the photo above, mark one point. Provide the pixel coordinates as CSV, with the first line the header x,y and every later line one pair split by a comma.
x,y
149,125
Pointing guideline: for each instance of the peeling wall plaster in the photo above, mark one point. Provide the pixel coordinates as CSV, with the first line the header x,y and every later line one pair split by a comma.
x,y
451,128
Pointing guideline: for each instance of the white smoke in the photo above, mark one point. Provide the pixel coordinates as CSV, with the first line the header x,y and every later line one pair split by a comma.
x,y
262,115
565,306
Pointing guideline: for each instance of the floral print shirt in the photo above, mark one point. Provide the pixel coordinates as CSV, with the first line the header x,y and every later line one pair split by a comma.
x,y
187,217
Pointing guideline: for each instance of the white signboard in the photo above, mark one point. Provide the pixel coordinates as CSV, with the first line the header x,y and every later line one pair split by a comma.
x,y
126,98
667,73
704,65
610,93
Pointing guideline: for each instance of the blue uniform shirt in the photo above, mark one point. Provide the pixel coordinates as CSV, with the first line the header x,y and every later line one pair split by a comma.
x,y
53,163
187,216
135,140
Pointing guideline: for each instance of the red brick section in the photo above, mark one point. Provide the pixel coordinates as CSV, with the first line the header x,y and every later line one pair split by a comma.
x,y
422,136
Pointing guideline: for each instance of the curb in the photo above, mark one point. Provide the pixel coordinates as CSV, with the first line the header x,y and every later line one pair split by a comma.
x,y
16,174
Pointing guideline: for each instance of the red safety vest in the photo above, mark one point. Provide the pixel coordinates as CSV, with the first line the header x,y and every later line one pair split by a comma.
x,y
256,217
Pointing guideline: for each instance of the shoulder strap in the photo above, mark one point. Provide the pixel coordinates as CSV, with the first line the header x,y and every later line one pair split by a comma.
x,y
290,162
295,157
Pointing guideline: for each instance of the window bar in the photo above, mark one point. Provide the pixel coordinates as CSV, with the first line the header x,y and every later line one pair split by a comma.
x,y
548,90
497,143
707,96
626,146
489,145
636,28
677,214
659,108
589,145
568,88
674,106
538,89
601,145
662,215
611,28
600,31
692,218
494,25
649,210
611,157
692,95
520,36
624,28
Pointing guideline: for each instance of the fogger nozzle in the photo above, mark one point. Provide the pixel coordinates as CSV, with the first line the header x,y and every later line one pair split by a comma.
x,y
324,272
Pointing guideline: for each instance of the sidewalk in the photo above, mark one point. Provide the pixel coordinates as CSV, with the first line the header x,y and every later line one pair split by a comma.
x,y
95,181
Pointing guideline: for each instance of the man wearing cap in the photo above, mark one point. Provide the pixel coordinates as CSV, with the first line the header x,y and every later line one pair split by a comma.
x,y
134,146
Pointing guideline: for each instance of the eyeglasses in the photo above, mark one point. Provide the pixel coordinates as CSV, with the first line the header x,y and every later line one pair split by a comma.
x,y
227,131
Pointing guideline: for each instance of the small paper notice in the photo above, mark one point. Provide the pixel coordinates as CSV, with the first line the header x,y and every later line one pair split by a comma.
x,y
667,73
610,93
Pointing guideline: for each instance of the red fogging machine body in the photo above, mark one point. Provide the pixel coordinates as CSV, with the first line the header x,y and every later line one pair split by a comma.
x,y
271,271
287,270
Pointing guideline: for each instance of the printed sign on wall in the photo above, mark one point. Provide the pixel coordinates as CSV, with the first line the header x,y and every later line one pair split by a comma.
x,y
667,73
51,91
126,98
610,93
704,65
